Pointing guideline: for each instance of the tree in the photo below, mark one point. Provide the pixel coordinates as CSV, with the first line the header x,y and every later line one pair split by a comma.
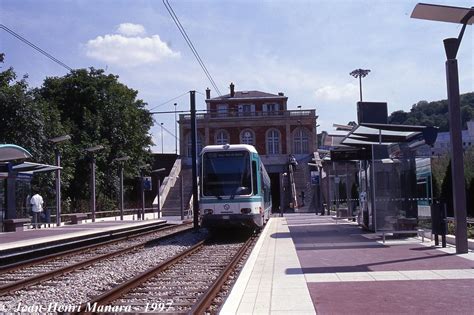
x,y
21,121
97,109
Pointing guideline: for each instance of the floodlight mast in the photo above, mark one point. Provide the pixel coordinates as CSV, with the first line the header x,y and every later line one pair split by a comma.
x,y
360,73
462,16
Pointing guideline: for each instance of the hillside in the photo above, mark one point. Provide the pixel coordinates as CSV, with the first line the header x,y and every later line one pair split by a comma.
x,y
434,113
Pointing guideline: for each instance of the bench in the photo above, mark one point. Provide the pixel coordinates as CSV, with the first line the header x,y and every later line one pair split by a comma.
x,y
418,232
14,225
78,217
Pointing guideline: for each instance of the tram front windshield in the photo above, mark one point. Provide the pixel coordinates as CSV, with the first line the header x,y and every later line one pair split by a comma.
x,y
226,174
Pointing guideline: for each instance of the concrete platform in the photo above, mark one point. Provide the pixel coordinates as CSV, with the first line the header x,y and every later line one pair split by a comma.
x,y
307,264
12,243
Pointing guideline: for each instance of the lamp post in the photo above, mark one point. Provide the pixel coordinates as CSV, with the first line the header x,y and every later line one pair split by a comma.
x,y
360,73
142,192
122,160
158,196
91,151
161,138
55,142
175,130
462,16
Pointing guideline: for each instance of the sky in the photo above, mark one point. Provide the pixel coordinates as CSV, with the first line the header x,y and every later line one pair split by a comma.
x,y
305,49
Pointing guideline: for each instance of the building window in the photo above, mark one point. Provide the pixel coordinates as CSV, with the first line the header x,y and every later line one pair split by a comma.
x,y
222,110
300,141
273,142
222,137
189,145
246,109
270,109
247,137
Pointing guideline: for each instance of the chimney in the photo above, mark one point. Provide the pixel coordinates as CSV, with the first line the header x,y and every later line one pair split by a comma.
x,y
281,94
208,93
232,92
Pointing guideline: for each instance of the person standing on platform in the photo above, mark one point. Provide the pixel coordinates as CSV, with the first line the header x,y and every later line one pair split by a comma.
x,y
37,208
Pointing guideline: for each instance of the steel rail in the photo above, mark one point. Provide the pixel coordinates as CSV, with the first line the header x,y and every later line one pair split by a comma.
x,y
205,301
5,289
43,259
125,287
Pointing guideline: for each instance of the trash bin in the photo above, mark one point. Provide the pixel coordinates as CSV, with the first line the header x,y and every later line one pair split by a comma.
x,y
438,219
439,225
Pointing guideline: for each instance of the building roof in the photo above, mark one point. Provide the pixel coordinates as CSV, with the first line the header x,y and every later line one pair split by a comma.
x,y
247,95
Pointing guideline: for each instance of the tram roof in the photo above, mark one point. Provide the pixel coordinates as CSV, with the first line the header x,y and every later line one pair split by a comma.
x,y
229,147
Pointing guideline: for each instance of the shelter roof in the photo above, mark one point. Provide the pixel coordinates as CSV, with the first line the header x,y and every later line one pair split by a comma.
x,y
31,168
11,152
367,134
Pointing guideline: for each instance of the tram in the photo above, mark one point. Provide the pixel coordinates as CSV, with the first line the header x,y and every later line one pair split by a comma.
x,y
234,187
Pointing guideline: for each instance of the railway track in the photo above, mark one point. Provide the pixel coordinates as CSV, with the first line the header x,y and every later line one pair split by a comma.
x,y
186,283
22,275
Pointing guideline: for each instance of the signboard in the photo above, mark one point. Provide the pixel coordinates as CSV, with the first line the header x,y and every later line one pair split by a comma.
x,y
314,178
147,183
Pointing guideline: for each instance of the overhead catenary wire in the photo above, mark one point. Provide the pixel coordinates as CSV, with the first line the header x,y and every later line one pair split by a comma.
x,y
24,40
190,44
168,101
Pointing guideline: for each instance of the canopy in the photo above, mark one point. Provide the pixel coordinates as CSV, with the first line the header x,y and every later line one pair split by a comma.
x,y
30,168
11,152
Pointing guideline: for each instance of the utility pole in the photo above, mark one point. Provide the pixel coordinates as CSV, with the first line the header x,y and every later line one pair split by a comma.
x,y
192,95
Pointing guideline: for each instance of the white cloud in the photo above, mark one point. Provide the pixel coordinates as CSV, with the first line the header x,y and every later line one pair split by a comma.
x,y
333,93
130,29
130,50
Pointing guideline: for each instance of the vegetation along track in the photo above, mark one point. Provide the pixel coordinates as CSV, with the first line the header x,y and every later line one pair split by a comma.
x,y
25,274
186,283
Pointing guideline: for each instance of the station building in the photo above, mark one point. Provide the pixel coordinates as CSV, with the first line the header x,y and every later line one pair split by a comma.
x,y
263,120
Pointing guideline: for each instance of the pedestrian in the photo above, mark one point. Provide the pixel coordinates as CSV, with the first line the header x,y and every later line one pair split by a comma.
x,y
36,208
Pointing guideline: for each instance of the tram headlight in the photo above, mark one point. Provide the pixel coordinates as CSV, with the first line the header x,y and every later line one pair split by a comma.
x,y
208,211
245,210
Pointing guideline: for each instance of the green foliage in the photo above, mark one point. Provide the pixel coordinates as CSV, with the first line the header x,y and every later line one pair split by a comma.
x,y
96,109
470,199
434,113
447,191
92,107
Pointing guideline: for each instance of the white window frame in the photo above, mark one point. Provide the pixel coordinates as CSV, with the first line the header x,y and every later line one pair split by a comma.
x,y
221,137
272,143
300,141
222,110
242,133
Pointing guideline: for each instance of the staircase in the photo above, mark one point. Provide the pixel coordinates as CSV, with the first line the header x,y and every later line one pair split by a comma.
x,y
302,180
172,205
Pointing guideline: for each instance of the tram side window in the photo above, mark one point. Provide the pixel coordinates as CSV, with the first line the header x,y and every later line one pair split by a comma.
x,y
255,177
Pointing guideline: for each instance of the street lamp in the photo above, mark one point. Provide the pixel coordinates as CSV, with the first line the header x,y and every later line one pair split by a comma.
x,y
161,138
158,197
55,142
360,73
175,130
121,161
462,16
142,191
91,151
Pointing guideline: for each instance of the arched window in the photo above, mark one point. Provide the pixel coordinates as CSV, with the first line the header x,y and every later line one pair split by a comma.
x,y
222,137
247,137
189,144
300,141
273,141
